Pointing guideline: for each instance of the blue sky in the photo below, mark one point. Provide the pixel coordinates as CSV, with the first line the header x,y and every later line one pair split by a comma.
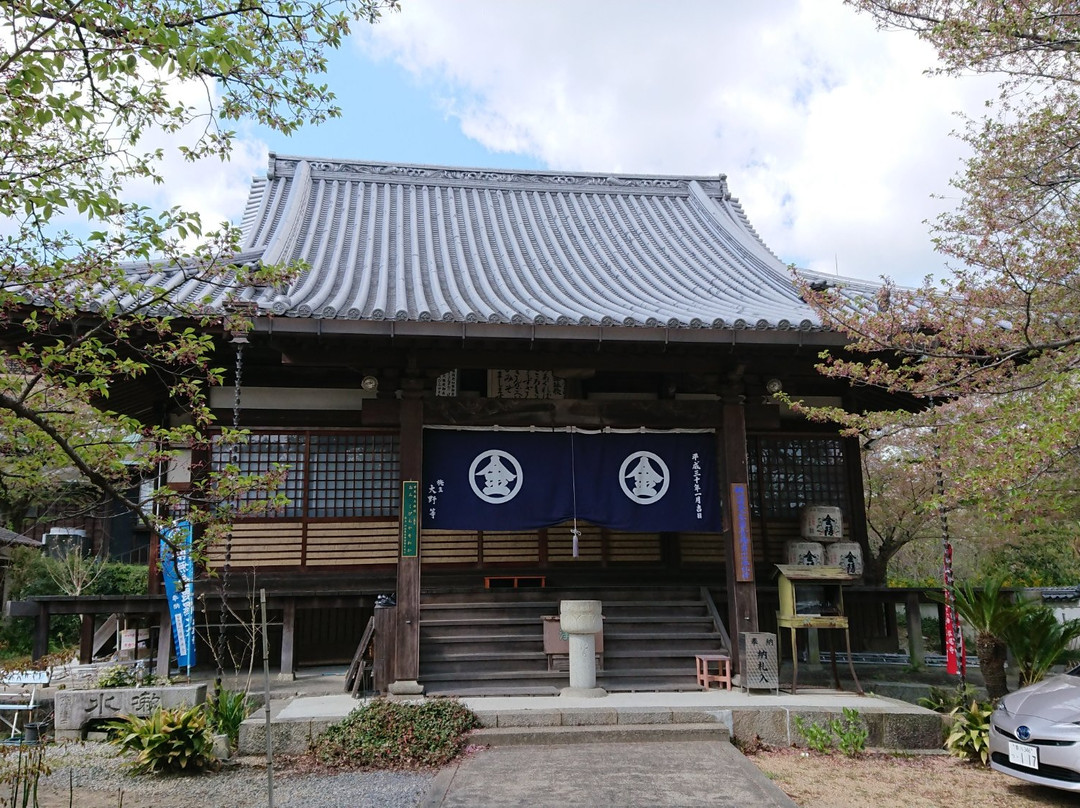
x,y
388,115
830,132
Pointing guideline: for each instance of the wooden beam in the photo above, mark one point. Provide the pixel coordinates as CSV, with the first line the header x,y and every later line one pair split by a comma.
x,y
288,635
407,645
659,414
741,586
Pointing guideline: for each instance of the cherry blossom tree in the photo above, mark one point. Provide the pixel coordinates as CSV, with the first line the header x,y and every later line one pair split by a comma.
x,y
86,303
992,351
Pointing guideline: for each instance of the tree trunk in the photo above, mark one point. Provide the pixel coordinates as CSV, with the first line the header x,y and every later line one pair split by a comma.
x,y
991,652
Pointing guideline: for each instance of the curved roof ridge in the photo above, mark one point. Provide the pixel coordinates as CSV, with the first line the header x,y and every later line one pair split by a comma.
x,y
388,241
285,165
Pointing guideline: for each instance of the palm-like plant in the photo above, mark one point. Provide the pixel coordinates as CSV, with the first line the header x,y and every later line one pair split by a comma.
x,y
990,615
1038,641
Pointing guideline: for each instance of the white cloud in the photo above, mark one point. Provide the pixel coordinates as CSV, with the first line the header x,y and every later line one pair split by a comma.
x,y
829,132
216,190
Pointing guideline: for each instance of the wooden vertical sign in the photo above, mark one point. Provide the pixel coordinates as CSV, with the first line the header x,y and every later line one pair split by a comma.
x,y
410,519
740,526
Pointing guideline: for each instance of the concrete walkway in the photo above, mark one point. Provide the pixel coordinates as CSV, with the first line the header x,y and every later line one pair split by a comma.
x,y
623,749
619,775
892,724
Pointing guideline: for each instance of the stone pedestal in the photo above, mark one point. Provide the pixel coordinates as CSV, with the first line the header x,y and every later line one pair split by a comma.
x,y
406,687
581,620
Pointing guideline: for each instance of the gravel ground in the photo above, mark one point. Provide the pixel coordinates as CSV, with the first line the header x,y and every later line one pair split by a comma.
x,y
93,775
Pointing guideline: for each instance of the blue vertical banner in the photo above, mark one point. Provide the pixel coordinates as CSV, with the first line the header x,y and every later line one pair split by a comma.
x,y
180,590
519,480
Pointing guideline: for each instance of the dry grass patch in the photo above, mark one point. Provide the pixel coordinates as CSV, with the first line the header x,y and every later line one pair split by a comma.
x,y
887,781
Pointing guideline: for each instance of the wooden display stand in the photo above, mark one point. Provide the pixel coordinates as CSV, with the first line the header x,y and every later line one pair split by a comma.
x,y
812,597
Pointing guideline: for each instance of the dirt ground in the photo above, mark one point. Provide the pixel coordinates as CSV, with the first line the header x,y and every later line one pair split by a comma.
x,y
882,781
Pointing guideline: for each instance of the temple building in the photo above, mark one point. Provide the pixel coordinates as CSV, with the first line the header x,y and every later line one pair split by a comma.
x,y
494,390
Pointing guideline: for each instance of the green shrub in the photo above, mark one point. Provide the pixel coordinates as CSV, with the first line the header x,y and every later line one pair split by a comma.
x,y
848,734
177,740
117,676
947,699
970,734
851,732
226,710
385,734
817,736
1039,641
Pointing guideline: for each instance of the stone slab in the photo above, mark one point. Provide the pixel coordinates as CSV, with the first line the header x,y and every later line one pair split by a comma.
x,y
606,733
74,709
289,737
590,717
530,718
644,715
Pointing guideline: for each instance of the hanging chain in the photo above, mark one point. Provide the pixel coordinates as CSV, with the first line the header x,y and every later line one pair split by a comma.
x,y
227,566
947,558
574,532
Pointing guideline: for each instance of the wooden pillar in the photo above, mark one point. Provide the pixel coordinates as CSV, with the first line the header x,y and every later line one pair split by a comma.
x,y
288,636
86,639
385,637
164,643
41,633
916,646
738,542
407,613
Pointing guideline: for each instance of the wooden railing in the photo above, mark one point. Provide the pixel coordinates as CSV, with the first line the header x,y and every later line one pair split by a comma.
x,y
320,545
314,544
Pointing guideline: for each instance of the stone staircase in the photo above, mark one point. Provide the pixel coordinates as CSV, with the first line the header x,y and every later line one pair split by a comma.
x,y
492,642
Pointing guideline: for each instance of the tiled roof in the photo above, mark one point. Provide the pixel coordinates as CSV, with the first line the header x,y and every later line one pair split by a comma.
x,y
404,243
11,537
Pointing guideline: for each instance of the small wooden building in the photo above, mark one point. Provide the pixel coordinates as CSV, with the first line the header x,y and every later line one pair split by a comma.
x,y
484,381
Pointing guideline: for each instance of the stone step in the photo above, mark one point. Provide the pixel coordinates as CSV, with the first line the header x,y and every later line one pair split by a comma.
x,y
615,733
554,595
892,725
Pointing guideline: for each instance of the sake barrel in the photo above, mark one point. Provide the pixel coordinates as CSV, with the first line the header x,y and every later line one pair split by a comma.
x,y
806,553
822,523
845,554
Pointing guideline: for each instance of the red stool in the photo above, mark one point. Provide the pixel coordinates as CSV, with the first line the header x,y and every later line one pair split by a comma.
x,y
723,669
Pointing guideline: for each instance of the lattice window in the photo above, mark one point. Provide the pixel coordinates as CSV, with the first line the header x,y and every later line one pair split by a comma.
x,y
787,473
328,474
353,475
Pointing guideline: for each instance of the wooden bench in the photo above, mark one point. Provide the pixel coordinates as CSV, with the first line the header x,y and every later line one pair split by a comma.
x,y
705,676
13,705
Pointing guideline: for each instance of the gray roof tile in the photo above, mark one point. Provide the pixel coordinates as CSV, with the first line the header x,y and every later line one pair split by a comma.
x,y
423,243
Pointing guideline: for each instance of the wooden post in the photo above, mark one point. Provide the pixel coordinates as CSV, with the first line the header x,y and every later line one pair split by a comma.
x,y
288,636
164,643
407,644
738,542
916,646
41,633
385,636
86,639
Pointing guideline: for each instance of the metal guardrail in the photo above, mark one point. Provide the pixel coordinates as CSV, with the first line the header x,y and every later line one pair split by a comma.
x,y
870,658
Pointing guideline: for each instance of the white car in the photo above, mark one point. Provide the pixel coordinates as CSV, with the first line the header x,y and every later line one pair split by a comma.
x,y
1035,732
